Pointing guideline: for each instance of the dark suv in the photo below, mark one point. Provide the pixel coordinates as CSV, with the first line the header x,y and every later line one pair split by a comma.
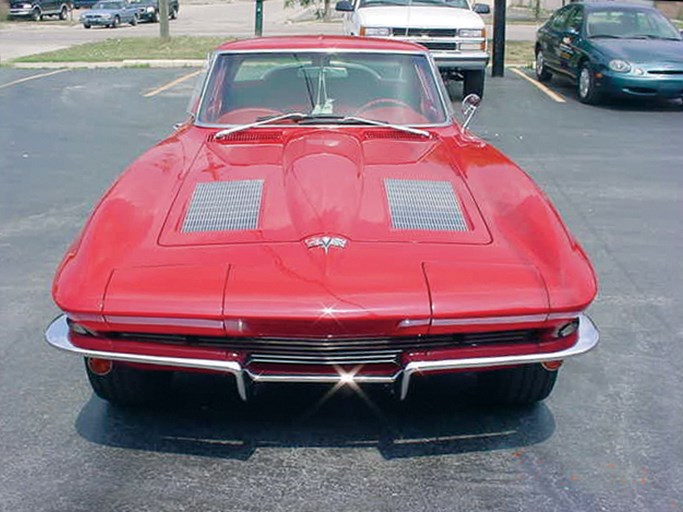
x,y
36,9
148,10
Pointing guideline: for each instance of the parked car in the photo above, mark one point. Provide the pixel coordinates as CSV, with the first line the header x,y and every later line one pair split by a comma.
x,y
451,29
322,217
612,49
37,9
110,13
148,10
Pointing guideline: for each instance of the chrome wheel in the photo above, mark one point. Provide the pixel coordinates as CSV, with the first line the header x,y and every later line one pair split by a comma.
x,y
542,73
584,82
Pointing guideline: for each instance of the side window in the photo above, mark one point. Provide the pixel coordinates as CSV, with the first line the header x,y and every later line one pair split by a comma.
x,y
575,20
560,19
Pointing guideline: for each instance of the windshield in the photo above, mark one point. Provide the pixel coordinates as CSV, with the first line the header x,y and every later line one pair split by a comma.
x,y
385,87
629,24
461,4
107,6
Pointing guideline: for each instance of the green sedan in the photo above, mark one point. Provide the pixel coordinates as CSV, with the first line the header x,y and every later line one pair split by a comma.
x,y
612,49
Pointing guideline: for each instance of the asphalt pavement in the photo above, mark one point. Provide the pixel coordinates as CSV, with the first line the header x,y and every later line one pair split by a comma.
x,y
607,439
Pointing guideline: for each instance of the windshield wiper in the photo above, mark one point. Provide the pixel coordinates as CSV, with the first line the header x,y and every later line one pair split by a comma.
x,y
361,120
260,122
301,118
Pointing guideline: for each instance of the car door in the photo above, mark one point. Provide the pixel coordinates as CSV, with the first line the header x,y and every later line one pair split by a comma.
x,y
551,37
570,52
351,22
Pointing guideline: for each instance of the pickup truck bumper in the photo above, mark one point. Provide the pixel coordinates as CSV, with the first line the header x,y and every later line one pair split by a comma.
x,y
461,61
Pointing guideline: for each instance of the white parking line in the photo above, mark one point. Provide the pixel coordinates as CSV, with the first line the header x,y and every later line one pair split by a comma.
x,y
552,95
32,77
170,84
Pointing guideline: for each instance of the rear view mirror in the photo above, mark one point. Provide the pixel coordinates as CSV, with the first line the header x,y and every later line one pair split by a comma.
x,y
482,9
470,103
344,6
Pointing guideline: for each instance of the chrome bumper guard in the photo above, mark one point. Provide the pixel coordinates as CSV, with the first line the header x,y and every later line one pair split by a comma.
x,y
57,335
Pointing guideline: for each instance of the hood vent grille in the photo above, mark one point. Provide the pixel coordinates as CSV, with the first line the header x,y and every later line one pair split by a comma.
x,y
392,135
255,136
424,205
224,206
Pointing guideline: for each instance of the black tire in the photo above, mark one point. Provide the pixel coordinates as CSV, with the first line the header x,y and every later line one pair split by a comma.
x,y
128,386
116,22
474,83
585,85
174,13
542,73
134,21
36,15
63,12
85,25
523,385
155,17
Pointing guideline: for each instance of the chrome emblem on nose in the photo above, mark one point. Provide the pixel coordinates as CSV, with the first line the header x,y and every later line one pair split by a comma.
x,y
326,242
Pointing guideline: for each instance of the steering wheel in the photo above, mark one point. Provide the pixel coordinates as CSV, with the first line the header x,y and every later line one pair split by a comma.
x,y
381,102
246,115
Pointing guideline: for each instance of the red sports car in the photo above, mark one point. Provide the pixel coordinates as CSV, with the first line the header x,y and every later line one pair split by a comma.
x,y
322,217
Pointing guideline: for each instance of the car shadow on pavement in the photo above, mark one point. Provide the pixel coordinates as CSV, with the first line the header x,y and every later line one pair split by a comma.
x,y
203,416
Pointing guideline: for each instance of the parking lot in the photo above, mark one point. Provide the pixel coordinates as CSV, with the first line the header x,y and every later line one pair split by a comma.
x,y
607,439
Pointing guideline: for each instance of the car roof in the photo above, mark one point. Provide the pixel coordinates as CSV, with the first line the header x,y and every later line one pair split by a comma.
x,y
320,42
599,6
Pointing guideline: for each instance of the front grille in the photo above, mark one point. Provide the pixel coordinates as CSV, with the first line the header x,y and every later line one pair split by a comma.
x,y
432,45
331,352
424,32
666,72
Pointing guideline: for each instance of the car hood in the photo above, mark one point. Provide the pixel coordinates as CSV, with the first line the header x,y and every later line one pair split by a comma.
x,y
420,17
640,51
374,185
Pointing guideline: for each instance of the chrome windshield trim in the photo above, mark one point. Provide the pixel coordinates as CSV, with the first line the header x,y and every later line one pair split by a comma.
x,y
445,102
57,335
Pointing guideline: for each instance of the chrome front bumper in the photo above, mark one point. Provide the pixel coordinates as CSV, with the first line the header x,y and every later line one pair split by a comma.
x,y
57,335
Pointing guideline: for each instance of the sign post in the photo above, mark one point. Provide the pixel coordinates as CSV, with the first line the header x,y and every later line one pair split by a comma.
x,y
164,31
498,64
258,28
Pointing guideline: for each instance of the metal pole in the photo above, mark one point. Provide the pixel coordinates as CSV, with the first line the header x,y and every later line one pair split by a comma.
x,y
164,31
498,65
258,29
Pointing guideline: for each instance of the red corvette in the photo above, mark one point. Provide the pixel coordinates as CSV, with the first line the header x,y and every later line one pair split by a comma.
x,y
322,217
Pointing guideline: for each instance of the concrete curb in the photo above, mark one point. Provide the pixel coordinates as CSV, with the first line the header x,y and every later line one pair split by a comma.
x,y
131,63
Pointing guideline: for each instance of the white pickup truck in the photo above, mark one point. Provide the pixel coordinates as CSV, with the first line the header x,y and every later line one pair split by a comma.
x,y
451,29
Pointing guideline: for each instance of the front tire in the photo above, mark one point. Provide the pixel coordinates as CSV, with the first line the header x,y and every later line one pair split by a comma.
x,y
523,385
474,83
36,15
128,386
155,17
542,73
86,25
585,85
64,11
174,13
134,21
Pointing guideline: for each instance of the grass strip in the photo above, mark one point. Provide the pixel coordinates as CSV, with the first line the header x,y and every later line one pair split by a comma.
x,y
146,48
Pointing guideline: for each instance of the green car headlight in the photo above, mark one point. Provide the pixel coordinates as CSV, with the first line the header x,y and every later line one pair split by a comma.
x,y
620,66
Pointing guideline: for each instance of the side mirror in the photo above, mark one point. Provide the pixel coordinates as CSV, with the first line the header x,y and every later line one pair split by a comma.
x,y
470,103
572,31
482,9
344,6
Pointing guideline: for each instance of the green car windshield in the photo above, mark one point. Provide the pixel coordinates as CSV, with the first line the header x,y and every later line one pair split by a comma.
x,y
629,24
386,87
108,6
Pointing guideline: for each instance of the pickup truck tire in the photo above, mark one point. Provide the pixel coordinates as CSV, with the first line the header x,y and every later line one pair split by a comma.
x,y
128,386
474,83
523,385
